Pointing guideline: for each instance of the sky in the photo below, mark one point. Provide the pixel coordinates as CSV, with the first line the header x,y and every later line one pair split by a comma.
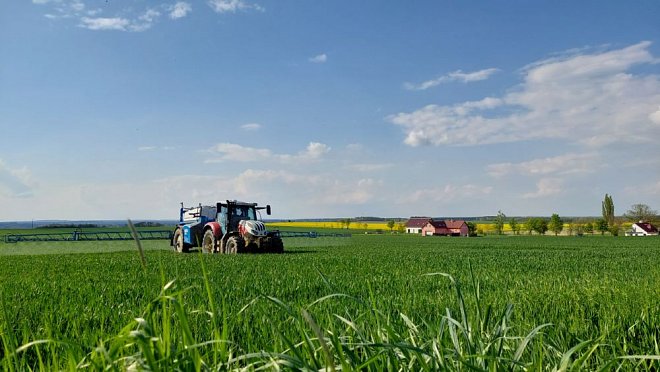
x,y
124,109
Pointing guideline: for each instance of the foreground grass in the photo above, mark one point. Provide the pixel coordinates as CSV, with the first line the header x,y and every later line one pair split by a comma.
x,y
582,303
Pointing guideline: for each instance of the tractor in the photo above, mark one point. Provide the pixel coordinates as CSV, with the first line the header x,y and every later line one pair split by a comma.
x,y
227,227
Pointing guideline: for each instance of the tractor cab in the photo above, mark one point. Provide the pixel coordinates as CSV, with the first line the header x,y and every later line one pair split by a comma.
x,y
231,213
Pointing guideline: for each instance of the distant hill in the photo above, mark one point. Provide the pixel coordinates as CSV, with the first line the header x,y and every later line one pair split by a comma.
x,y
101,223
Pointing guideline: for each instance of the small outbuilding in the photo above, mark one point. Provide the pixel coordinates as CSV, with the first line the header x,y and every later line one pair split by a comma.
x,y
642,228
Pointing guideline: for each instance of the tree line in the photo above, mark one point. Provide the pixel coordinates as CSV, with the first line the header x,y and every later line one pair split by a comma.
x,y
608,223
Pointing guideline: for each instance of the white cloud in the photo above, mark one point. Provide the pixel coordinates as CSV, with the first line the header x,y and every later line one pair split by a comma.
x,y
563,164
251,127
15,182
545,187
314,150
648,189
368,167
96,24
77,5
180,10
447,194
235,152
127,17
232,6
144,21
141,23
453,76
321,58
154,148
655,116
592,99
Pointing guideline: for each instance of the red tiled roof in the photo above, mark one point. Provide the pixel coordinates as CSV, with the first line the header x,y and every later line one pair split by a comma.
x,y
650,229
438,224
454,224
417,221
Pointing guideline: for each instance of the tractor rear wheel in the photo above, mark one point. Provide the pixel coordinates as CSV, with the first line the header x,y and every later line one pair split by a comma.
x,y
235,244
179,245
209,242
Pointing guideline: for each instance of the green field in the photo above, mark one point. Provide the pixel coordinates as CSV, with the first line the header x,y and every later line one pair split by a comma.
x,y
595,299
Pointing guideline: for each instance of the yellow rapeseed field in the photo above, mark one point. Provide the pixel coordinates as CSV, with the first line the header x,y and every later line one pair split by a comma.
x,y
356,225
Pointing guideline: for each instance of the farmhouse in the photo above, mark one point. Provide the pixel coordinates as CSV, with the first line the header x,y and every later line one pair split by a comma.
x,y
435,228
428,226
415,224
642,228
445,228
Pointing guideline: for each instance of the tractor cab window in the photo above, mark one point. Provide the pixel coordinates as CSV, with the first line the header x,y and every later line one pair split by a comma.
x,y
244,213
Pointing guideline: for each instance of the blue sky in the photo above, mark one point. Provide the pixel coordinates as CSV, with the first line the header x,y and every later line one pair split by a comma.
x,y
115,109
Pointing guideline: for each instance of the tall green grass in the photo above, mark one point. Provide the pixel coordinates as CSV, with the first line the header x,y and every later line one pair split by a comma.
x,y
523,304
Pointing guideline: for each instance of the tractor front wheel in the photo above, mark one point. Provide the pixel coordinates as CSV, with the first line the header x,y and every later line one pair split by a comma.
x,y
209,242
235,244
179,245
278,245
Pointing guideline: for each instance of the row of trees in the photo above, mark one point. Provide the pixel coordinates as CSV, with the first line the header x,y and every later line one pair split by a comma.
x,y
608,223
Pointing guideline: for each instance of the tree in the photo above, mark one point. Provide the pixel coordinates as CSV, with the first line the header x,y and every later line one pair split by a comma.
x,y
589,228
529,226
540,225
608,210
514,226
614,229
346,222
556,224
472,228
571,227
401,228
390,224
640,212
499,222
601,225
536,224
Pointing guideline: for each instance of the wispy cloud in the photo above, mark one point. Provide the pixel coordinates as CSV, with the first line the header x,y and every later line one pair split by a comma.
x,y
232,6
100,23
591,99
15,182
130,19
251,127
141,23
448,194
545,187
650,189
155,148
180,10
321,58
368,167
235,152
563,164
464,77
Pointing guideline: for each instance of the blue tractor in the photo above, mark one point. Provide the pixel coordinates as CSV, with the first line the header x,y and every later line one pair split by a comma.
x,y
227,227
